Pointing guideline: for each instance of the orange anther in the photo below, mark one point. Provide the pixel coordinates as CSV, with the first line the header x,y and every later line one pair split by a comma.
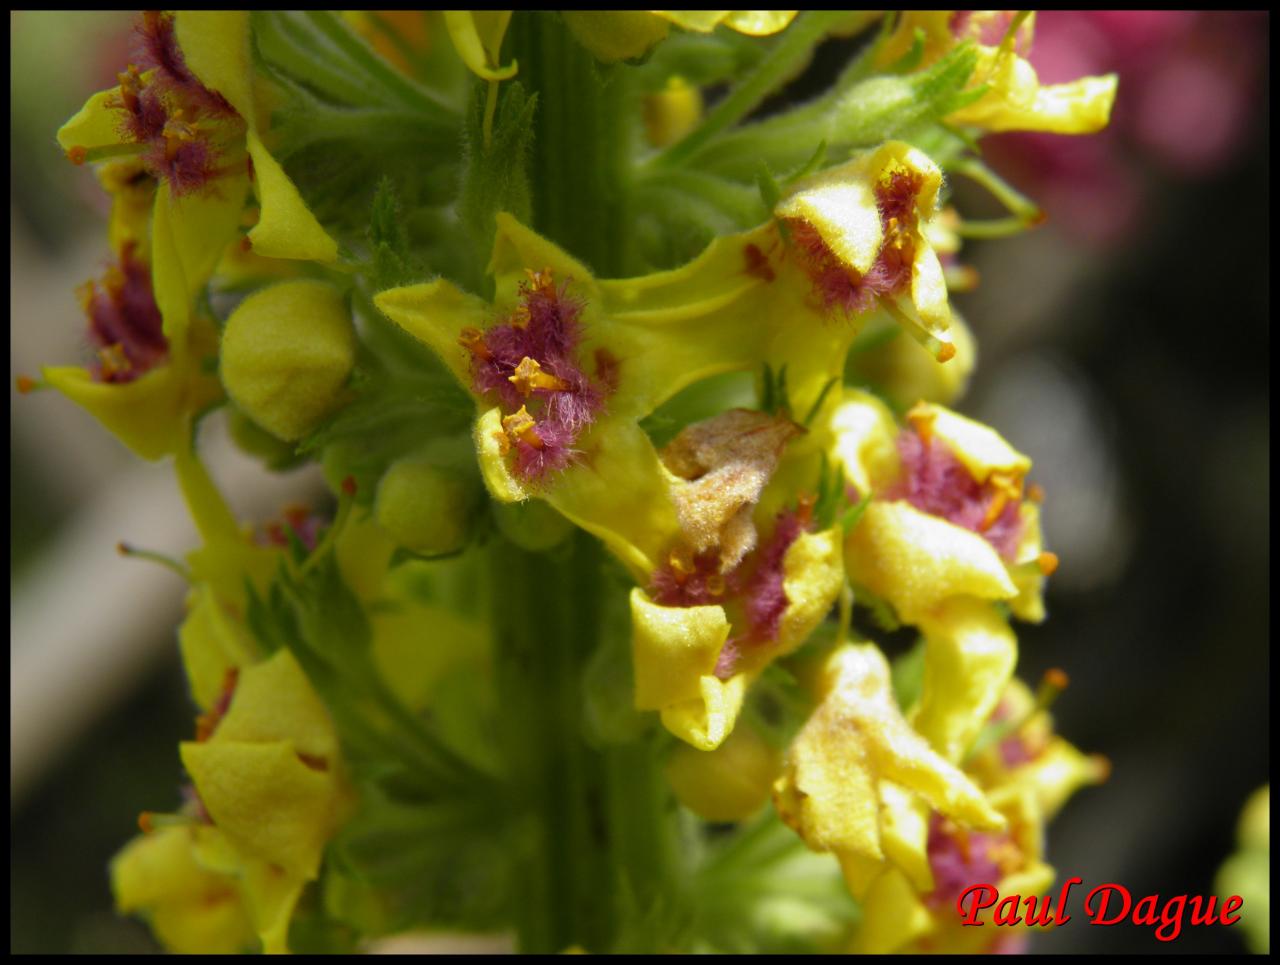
x,y
77,155
921,417
1035,493
1057,678
521,427
946,352
26,384
472,339
529,378
145,822
1048,562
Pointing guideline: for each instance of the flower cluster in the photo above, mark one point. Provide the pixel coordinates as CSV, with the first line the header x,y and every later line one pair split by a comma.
x,y
741,391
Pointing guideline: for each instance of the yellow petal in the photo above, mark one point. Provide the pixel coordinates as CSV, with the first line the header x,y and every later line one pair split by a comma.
x,y
216,47
672,649
866,440
266,801
491,451
274,702
617,491
855,739
893,916
970,653
189,235
1028,605
477,37
755,23
191,910
812,575
706,722
96,127
916,561
146,414
212,642
286,227
841,206
436,313
979,448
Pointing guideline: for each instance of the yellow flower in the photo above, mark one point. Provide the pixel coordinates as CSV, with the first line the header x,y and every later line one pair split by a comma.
x,y
1015,99
477,37
901,915
852,773
945,535
191,909
149,378
573,363
1031,755
193,119
270,778
860,232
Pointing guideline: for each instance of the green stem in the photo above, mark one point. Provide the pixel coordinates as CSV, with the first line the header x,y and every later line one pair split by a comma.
x,y
582,134
788,55
544,613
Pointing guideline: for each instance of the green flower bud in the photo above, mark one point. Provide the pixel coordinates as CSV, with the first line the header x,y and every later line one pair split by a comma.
x,y
256,441
286,353
425,507
532,525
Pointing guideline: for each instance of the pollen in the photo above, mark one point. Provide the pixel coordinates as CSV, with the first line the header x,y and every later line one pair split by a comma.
x,y
529,378
540,282
521,427
921,417
113,361
1008,488
1048,563
472,339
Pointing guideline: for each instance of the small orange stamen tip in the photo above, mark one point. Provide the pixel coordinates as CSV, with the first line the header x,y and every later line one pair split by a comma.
x,y
1101,768
26,384
472,339
77,155
349,486
123,548
145,823
1035,493
946,352
1057,678
1048,563
1039,218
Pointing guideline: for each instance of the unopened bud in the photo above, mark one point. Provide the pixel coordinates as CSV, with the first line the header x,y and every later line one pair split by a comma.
x,y
729,783
426,508
254,440
286,353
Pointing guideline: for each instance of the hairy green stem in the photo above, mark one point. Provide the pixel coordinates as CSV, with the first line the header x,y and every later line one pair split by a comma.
x,y
582,135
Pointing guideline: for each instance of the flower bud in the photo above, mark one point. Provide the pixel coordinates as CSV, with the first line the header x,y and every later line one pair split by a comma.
x,y
286,353
729,783
256,441
426,508
532,525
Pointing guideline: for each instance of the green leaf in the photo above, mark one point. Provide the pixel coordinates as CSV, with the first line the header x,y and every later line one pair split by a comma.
x,y
907,674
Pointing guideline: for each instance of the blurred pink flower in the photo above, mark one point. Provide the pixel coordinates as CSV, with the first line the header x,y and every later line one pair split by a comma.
x,y
1187,84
